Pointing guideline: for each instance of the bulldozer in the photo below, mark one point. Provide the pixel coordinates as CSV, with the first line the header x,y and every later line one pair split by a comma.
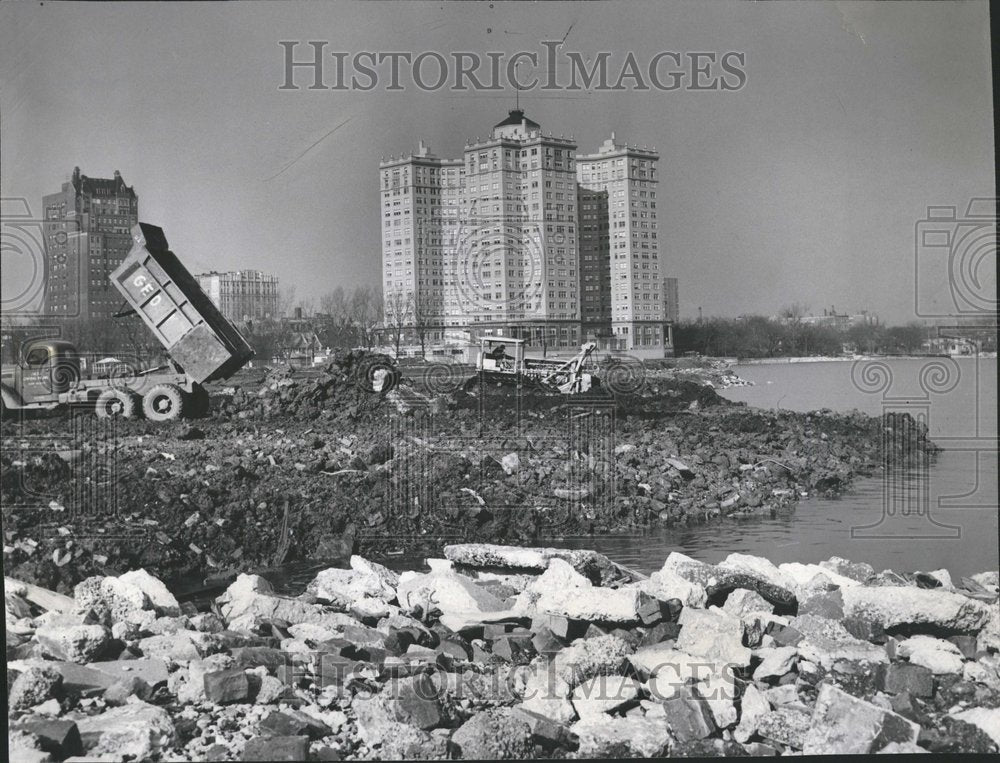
x,y
495,364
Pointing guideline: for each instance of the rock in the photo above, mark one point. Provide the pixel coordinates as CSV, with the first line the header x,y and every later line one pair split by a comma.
x,y
671,668
494,734
490,555
688,716
291,722
989,580
123,689
258,656
937,655
516,649
915,680
842,724
603,605
271,690
826,641
758,567
138,730
742,602
858,571
115,600
603,694
76,643
753,706
416,702
660,633
177,647
395,740
189,685
250,601
61,738
277,748
227,686
986,718
447,591
898,605
718,693
814,576
713,634
606,736
25,747
511,463
162,601
207,622
786,725
34,686
667,584
545,731
775,662
953,735
152,671
363,582
901,748
828,604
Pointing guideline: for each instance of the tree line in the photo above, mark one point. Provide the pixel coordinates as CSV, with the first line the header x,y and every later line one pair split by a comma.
x,y
757,336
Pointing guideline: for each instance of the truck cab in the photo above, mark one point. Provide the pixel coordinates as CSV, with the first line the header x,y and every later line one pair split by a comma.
x,y
45,369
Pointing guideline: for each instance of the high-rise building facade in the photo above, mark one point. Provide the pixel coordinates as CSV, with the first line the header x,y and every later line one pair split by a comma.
x,y
671,300
523,238
242,295
87,230
622,239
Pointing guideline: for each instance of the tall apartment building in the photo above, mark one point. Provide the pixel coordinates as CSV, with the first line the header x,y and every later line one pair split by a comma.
x,y
523,238
242,295
87,230
619,246
671,300
486,243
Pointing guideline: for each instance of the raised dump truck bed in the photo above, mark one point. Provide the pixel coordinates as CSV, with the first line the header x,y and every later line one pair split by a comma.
x,y
181,316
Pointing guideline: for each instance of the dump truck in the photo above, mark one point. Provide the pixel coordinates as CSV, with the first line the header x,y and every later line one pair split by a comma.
x,y
201,346
496,364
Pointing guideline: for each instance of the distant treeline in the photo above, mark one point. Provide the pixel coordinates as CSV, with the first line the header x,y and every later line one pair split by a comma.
x,y
759,337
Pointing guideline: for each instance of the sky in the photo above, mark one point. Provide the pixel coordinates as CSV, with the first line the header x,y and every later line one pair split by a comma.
x,y
804,186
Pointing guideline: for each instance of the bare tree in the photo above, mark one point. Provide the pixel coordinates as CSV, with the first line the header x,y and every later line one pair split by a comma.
x,y
424,316
336,305
366,313
399,311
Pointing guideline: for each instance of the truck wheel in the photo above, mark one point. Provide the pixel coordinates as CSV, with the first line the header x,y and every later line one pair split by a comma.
x,y
164,402
116,403
197,403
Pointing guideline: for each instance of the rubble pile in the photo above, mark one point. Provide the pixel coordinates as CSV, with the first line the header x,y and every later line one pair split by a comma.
x,y
509,652
317,465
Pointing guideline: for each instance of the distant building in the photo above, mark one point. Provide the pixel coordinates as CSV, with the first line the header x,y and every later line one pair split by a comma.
x,y
87,230
623,243
521,237
671,300
832,319
242,295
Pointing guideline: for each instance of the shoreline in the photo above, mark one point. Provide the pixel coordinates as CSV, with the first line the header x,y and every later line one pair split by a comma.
x,y
504,651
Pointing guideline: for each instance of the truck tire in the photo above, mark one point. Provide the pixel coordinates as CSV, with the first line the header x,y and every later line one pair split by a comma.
x,y
197,404
117,403
164,402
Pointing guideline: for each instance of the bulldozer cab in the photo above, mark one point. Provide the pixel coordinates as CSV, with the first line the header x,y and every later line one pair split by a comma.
x,y
501,354
46,368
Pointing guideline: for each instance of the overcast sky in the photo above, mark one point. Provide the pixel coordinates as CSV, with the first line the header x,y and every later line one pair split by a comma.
x,y
804,186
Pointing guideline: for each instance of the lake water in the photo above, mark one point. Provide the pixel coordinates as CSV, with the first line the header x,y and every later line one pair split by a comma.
x,y
943,516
